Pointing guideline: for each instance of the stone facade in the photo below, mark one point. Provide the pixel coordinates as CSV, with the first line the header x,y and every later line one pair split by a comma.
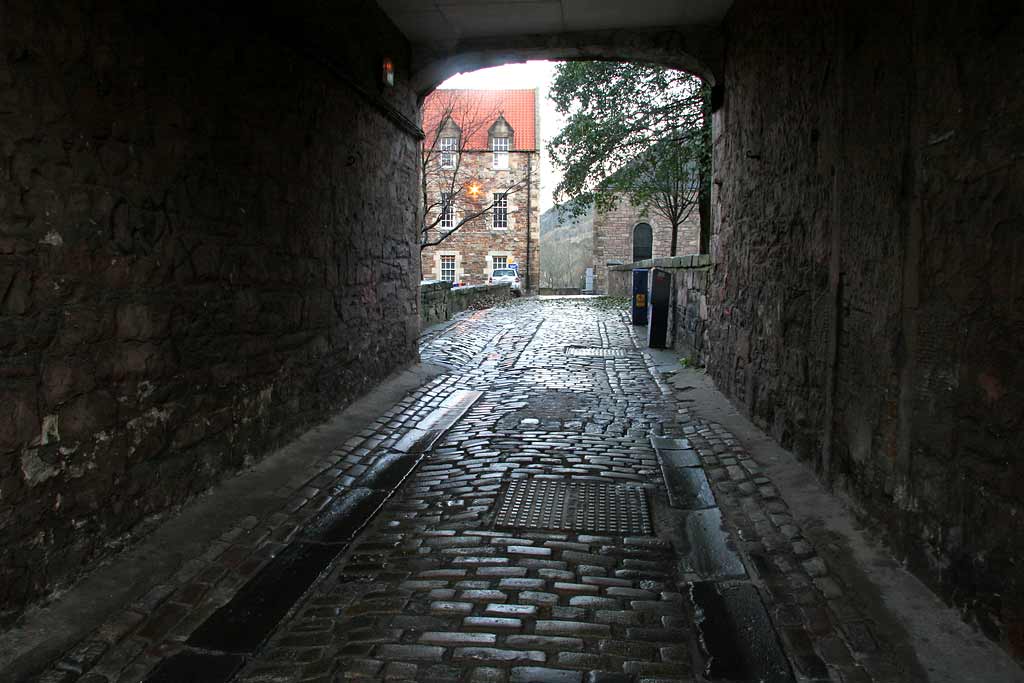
x,y
866,303
475,244
182,285
614,232
478,246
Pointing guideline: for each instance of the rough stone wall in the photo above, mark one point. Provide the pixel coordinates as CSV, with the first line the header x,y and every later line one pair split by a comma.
x,y
439,301
473,242
690,288
691,285
477,297
613,237
434,302
207,242
867,304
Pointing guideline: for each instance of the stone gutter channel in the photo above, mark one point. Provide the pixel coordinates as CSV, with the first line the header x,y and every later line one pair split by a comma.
x,y
202,645
220,646
766,606
735,631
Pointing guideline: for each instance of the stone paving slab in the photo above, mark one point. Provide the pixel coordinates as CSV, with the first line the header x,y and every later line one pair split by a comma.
x,y
433,590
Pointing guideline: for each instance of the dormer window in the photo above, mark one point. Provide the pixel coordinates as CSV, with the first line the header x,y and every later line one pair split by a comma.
x,y
449,149
500,135
499,146
448,135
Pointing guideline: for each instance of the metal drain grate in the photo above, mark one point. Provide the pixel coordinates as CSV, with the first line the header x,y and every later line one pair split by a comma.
x,y
595,352
592,508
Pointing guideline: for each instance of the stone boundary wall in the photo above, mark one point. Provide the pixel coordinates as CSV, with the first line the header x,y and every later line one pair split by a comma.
x,y
688,317
439,301
198,259
434,302
867,302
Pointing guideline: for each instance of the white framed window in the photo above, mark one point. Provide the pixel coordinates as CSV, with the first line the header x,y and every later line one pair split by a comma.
x,y
447,211
449,148
499,262
448,267
499,211
500,148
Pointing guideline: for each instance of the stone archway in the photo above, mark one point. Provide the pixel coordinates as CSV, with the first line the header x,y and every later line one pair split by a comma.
x,y
696,51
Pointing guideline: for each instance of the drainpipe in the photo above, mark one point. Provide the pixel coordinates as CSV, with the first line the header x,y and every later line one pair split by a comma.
x,y
529,188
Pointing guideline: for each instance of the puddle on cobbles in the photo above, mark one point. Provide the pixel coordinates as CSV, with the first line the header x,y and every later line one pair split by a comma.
x,y
251,615
736,634
196,667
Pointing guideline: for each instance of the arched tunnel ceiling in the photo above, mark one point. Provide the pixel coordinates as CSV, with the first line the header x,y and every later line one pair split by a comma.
x,y
441,21
448,36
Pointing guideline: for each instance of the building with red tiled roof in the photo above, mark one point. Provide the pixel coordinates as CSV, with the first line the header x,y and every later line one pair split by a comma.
x,y
481,186
518,107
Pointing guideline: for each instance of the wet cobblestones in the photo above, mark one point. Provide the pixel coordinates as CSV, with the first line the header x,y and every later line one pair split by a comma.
x,y
433,590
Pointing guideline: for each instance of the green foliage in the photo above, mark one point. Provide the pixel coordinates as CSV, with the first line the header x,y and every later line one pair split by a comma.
x,y
609,303
633,130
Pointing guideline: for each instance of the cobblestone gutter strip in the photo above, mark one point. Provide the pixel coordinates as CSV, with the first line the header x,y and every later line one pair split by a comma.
x,y
432,590
824,634
436,591
226,601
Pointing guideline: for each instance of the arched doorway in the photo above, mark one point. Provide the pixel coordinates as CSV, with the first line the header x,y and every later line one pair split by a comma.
x,y
643,242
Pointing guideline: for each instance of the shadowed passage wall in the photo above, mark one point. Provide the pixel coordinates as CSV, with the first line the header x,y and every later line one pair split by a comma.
x,y
207,242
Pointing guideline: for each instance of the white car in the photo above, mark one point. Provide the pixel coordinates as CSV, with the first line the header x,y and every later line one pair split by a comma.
x,y
502,275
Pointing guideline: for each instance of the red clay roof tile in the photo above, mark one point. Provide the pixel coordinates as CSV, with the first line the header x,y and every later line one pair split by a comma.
x,y
476,110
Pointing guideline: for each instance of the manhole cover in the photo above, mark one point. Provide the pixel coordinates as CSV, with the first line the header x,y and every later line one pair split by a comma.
x,y
592,508
595,352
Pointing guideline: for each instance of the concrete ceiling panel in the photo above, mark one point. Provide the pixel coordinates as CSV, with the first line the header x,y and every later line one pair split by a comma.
x,y
421,20
504,18
595,15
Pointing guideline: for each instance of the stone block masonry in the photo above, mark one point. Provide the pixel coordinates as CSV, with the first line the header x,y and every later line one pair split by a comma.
x,y
439,301
207,242
613,238
866,299
476,244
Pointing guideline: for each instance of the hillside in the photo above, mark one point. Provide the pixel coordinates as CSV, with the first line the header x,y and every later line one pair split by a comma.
x,y
566,247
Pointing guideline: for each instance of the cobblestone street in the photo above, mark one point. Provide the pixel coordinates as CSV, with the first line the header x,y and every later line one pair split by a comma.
x,y
546,510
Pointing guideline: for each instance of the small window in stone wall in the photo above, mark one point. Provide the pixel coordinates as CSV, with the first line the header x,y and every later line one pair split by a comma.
x,y
447,211
500,211
448,267
499,262
643,242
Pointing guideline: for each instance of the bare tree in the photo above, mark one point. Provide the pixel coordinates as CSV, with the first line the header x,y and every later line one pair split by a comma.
x,y
452,196
562,265
667,179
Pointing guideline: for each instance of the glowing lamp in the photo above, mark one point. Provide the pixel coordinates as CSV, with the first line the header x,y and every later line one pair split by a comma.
x,y
388,72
